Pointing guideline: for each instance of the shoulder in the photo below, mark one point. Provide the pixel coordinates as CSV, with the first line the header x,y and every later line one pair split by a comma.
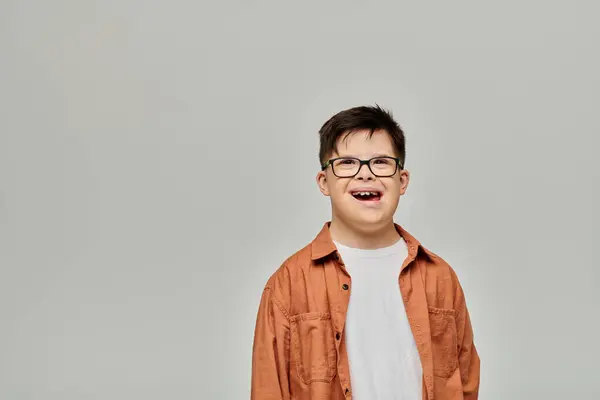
x,y
291,273
292,266
430,264
435,262
441,280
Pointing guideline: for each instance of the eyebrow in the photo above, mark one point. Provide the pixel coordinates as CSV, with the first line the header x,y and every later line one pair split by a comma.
x,y
381,155
373,156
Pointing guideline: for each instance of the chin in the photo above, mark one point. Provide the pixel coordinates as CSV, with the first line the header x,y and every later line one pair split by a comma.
x,y
363,219
369,223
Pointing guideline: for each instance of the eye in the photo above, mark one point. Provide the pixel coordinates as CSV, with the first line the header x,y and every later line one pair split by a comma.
x,y
347,161
382,161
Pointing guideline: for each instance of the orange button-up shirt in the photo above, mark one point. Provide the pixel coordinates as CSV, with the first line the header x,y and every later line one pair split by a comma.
x,y
299,351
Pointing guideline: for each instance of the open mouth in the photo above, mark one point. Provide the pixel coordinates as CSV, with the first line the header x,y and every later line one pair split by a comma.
x,y
366,196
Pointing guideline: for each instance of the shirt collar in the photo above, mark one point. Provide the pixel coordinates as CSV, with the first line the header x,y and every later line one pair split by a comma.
x,y
323,246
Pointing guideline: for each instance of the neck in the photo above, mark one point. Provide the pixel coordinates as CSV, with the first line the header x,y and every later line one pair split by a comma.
x,y
369,238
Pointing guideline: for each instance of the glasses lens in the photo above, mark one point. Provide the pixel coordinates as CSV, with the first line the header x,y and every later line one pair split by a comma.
x,y
383,166
345,167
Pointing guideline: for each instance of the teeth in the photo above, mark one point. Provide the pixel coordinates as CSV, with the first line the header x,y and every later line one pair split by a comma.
x,y
366,193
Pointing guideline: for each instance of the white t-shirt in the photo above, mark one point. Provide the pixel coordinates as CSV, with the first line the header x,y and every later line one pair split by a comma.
x,y
382,354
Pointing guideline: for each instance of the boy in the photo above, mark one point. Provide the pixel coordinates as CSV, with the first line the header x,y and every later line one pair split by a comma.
x,y
364,311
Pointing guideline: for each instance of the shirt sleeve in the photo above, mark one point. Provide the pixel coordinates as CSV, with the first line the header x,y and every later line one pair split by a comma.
x,y
270,360
468,358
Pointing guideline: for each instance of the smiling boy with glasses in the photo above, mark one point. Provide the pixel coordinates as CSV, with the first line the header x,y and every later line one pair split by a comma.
x,y
364,311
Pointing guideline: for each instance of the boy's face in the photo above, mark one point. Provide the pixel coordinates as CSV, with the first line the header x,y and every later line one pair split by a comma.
x,y
364,213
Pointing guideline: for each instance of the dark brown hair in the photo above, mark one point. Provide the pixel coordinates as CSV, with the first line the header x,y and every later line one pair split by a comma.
x,y
354,119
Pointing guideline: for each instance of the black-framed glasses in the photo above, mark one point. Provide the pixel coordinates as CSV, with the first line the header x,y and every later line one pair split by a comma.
x,y
348,167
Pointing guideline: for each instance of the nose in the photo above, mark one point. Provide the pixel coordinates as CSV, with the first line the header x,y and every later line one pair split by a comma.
x,y
364,173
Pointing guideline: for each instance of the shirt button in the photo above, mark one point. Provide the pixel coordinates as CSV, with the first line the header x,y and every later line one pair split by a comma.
x,y
345,286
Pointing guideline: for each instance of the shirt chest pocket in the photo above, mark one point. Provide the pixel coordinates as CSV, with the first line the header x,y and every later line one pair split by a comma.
x,y
444,341
313,347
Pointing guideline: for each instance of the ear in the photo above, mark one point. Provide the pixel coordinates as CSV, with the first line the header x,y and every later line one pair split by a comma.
x,y
404,179
322,182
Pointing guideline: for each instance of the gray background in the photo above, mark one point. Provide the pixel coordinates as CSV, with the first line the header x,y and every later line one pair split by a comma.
x,y
157,164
